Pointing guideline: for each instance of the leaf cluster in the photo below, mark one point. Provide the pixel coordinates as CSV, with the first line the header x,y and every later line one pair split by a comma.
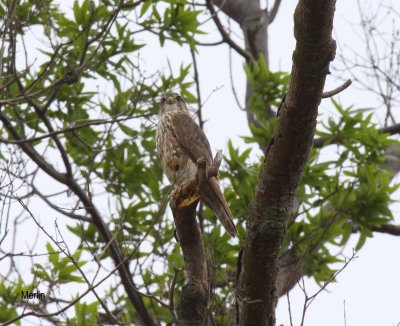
x,y
342,192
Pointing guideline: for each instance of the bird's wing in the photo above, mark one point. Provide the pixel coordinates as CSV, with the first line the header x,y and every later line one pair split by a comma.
x,y
191,137
195,142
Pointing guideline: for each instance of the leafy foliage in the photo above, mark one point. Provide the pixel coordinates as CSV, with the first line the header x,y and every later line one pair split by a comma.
x,y
341,193
109,138
269,88
88,105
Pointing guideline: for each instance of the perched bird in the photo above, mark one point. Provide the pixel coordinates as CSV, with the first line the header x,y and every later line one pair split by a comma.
x,y
180,143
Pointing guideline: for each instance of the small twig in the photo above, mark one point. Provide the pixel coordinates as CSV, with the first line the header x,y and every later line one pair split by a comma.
x,y
309,299
197,83
22,254
289,308
67,253
233,88
95,122
337,90
212,92
218,158
59,209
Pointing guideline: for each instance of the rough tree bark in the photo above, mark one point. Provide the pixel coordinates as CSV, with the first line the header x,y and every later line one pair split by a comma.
x,y
284,162
254,22
192,305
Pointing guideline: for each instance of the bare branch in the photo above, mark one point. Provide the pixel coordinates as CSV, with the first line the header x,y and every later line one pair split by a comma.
x,y
337,90
254,23
274,11
388,229
31,152
309,299
225,37
59,209
197,83
73,128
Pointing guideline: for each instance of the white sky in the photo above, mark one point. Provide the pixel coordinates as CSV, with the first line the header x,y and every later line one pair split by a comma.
x,y
369,286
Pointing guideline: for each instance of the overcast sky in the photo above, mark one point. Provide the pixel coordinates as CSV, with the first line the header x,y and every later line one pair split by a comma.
x,y
368,290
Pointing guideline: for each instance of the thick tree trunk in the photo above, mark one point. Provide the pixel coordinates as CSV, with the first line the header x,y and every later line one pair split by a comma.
x,y
284,162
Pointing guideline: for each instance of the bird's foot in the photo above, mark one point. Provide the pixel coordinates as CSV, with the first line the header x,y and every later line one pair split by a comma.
x,y
185,195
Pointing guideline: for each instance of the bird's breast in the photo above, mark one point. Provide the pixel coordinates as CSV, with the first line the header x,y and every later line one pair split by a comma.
x,y
175,159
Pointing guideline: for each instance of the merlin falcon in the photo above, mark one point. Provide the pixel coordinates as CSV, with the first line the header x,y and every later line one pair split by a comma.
x,y
180,143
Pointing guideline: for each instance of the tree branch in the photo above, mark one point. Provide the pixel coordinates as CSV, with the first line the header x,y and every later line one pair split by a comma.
x,y
388,229
115,250
225,37
285,159
254,23
337,90
274,11
77,126
234,9
192,305
58,209
31,152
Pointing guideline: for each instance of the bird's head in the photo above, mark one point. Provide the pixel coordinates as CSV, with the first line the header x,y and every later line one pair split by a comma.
x,y
172,102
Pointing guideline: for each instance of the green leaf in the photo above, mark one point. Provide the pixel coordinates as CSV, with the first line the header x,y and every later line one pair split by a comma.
x,y
146,5
362,238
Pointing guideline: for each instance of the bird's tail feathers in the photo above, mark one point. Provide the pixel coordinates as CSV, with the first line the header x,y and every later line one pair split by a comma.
x,y
216,201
